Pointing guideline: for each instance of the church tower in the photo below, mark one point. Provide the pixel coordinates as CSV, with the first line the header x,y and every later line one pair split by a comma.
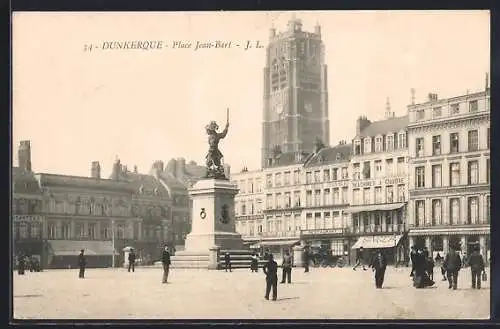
x,y
295,92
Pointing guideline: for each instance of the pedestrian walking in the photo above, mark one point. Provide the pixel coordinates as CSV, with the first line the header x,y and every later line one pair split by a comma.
x,y
271,271
430,268
359,259
453,264
476,263
379,265
307,256
82,263
21,264
254,266
131,260
165,259
227,262
413,254
440,262
287,268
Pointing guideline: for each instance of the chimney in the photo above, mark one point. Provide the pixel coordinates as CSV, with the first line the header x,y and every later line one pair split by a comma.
x,y
432,97
272,32
412,90
95,171
181,168
24,155
117,169
135,169
317,29
361,124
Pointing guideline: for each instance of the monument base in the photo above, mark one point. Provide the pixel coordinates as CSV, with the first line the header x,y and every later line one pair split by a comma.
x,y
199,242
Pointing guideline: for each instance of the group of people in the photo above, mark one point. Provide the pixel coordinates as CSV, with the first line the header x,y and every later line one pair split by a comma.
x,y
422,267
25,262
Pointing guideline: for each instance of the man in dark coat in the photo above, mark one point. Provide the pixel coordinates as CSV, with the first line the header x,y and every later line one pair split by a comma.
x,y
82,262
476,263
440,262
165,259
379,265
307,256
359,259
227,262
452,263
21,265
287,267
413,255
271,271
131,260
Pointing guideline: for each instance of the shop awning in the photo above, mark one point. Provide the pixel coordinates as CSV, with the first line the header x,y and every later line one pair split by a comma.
x,y
275,243
379,241
72,248
375,207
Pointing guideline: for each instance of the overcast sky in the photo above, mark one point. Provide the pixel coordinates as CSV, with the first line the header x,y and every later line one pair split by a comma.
x,y
77,107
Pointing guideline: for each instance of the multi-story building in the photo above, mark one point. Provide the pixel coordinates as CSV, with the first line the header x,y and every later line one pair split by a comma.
x,y
379,184
295,92
249,205
449,145
27,218
54,216
325,183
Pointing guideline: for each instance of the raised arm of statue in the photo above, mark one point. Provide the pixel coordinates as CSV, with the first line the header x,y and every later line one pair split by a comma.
x,y
224,132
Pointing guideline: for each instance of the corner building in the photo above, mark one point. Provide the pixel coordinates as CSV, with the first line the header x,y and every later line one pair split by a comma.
x,y
449,144
379,186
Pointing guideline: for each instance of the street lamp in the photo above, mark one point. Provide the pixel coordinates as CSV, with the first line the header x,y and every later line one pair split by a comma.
x,y
113,243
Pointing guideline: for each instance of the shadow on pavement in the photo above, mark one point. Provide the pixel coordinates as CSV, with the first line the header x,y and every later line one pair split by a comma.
x,y
288,298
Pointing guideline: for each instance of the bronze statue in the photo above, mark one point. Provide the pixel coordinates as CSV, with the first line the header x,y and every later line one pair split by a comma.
x,y
214,157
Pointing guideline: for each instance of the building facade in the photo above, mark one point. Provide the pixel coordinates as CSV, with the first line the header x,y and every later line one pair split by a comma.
x,y
295,92
55,216
379,185
449,145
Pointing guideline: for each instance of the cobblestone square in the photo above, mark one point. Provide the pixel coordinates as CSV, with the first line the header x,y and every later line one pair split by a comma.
x,y
323,293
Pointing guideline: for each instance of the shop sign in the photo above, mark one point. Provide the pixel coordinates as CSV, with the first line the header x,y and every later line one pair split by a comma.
x,y
326,231
379,182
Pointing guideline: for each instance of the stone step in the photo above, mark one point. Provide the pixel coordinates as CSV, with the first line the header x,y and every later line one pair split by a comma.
x,y
189,258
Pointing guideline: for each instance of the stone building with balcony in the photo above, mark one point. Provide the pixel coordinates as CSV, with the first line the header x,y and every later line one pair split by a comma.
x,y
449,145
326,198
379,185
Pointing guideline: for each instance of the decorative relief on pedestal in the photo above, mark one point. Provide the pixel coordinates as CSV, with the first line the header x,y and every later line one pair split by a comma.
x,y
224,218
203,213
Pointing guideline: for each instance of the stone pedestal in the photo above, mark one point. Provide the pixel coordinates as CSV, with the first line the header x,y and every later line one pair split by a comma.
x,y
212,225
213,258
213,217
298,256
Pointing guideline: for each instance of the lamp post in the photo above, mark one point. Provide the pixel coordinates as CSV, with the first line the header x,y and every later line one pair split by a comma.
x,y
113,243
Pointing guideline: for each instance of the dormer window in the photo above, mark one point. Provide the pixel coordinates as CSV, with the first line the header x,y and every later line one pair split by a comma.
x,y
357,147
389,142
368,145
402,140
378,144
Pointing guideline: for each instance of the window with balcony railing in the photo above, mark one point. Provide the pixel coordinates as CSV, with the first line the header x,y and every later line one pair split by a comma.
x,y
454,174
419,151
419,212
436,176
420,177
473,172
436,145
454,211
436,212
473,142
473,106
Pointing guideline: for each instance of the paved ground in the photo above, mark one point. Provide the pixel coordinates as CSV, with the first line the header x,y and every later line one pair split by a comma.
x,y
201,294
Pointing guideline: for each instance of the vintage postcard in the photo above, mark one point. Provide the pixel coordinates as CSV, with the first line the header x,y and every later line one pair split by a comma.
x,y
251,165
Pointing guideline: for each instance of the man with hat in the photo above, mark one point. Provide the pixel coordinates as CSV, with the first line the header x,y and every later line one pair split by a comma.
x,y
131,260
453,263
165,259
82,262
476,263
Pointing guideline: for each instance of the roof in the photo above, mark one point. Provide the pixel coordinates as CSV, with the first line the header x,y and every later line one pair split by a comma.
x,y
172,182
24,181
144,184
84,182
385,126
328,155
288,159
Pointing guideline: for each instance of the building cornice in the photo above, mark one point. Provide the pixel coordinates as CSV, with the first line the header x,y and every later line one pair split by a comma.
x,y
451,190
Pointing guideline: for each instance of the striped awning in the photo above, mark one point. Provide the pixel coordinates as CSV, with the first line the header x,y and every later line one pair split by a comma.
x,y
377,241
72,248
